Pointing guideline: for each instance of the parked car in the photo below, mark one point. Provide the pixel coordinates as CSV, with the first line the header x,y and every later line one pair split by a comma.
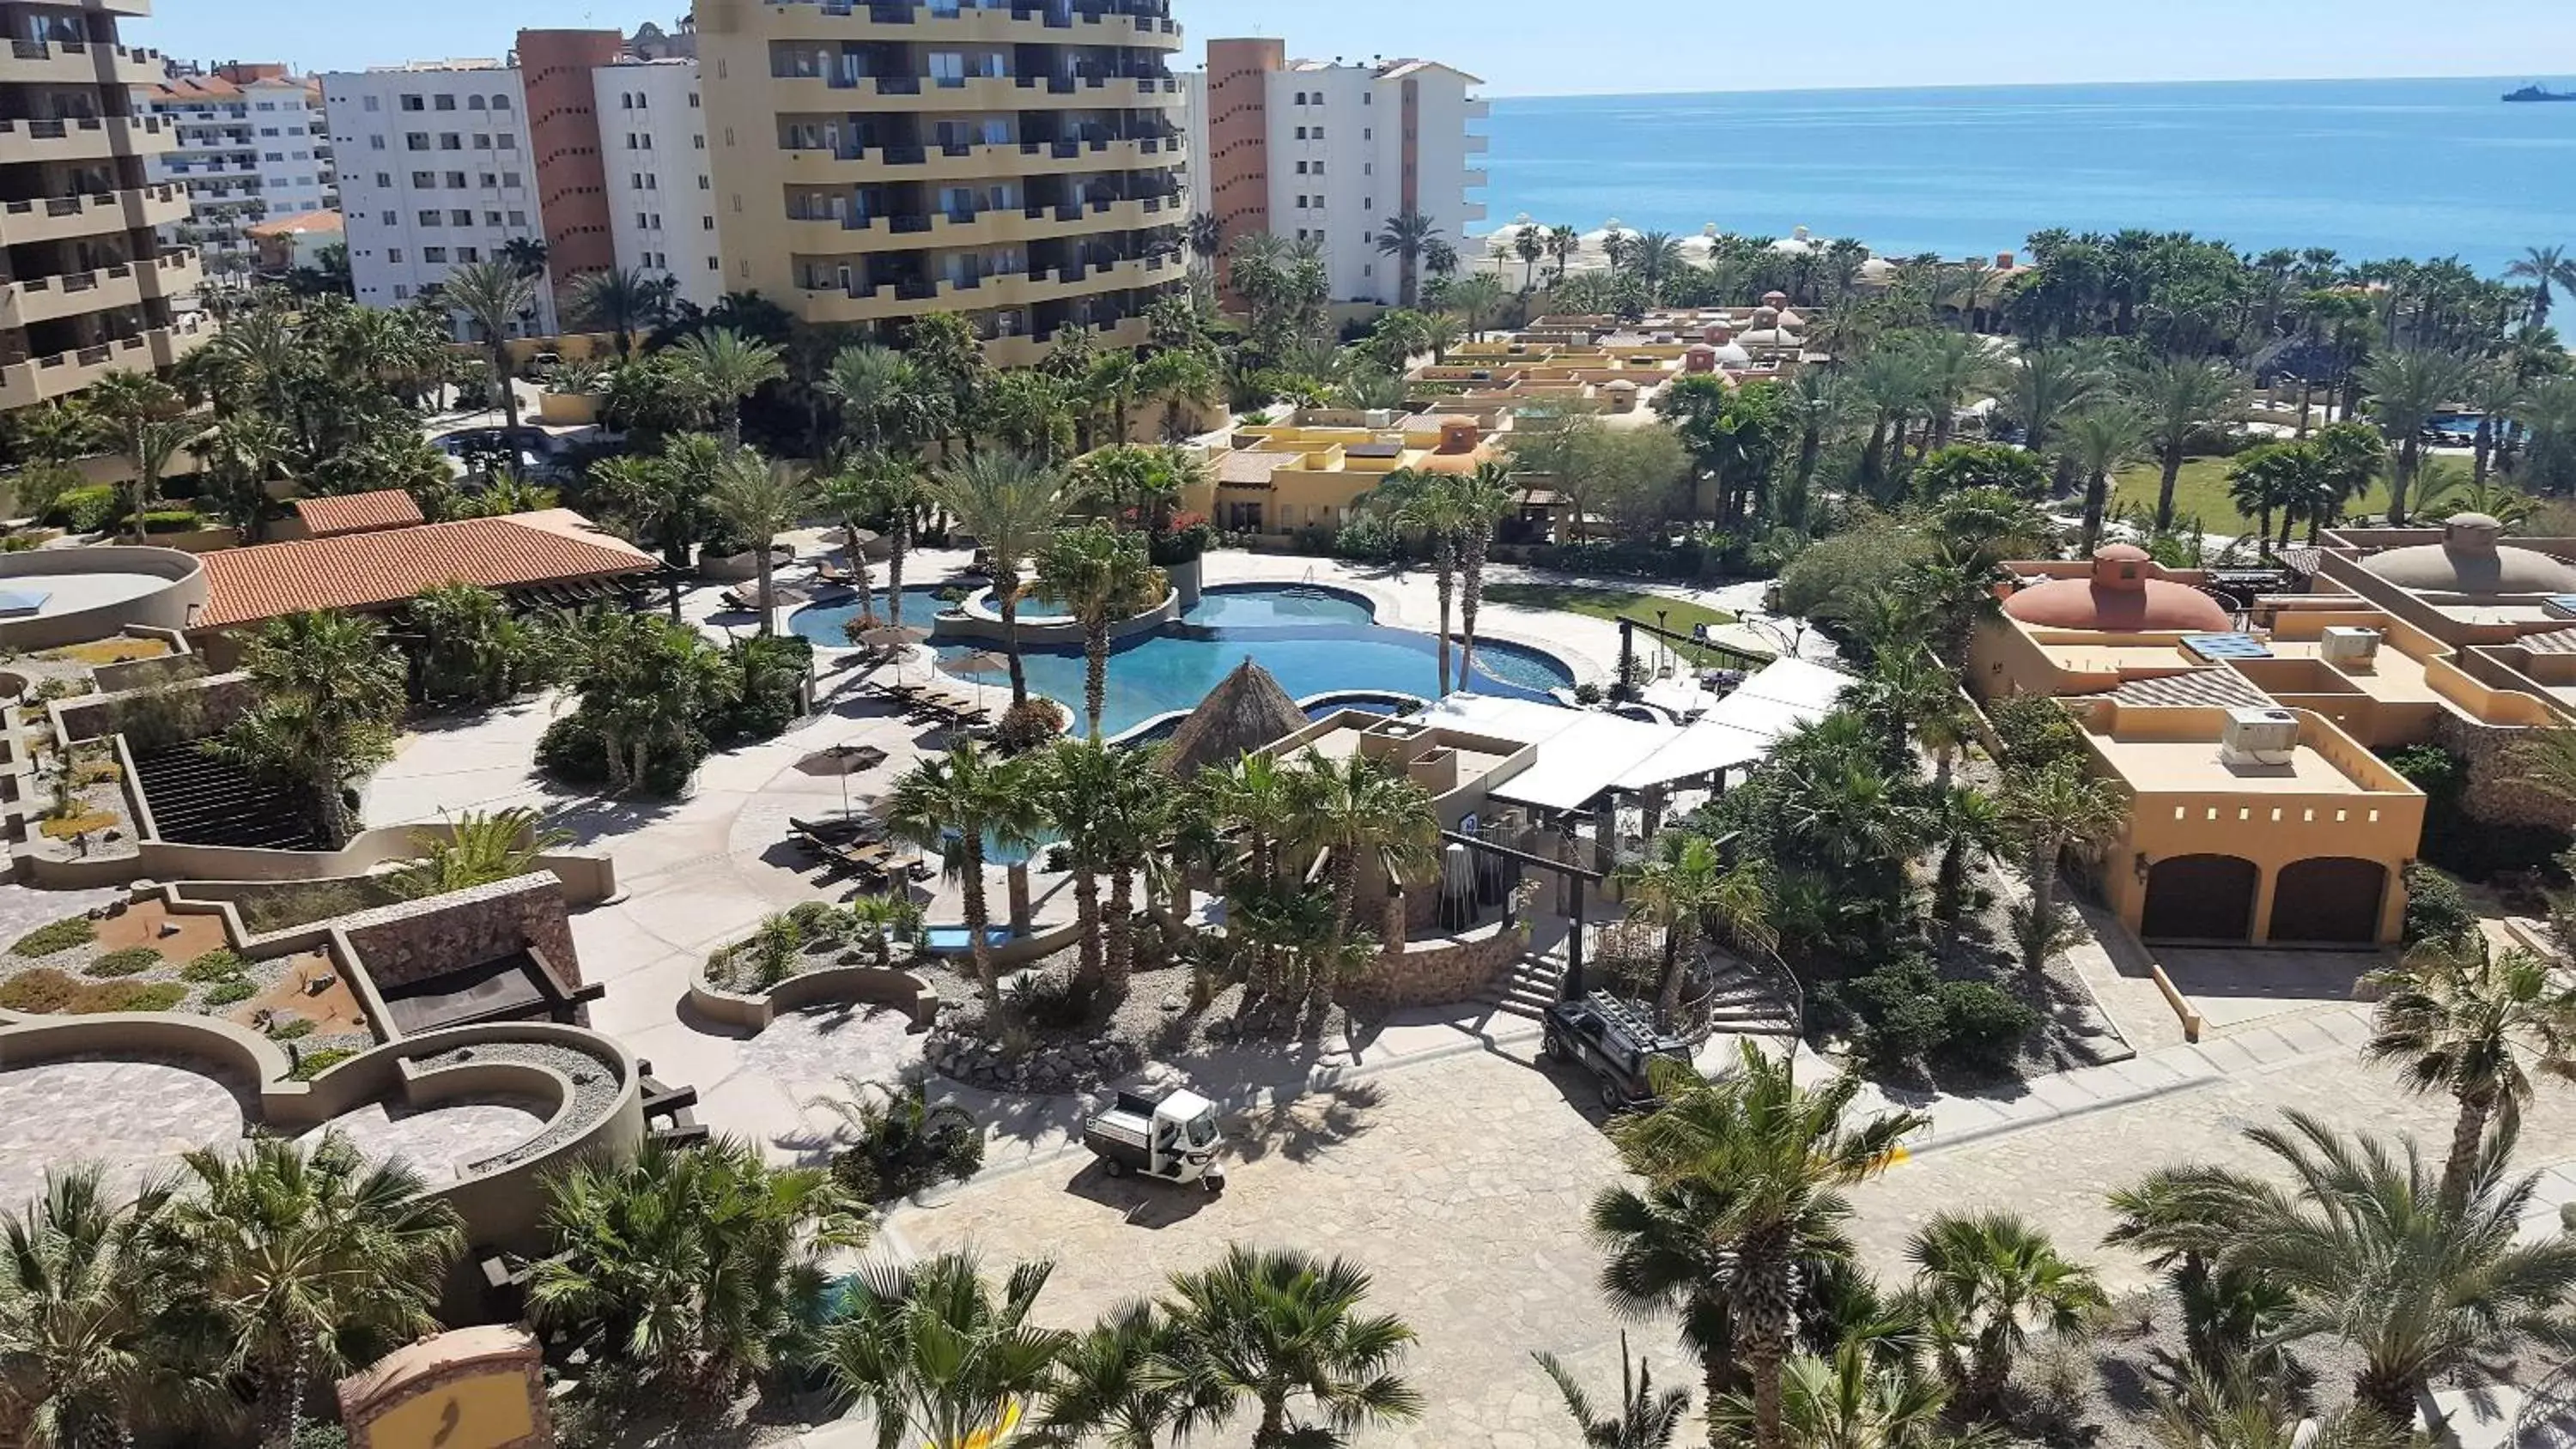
x,y
1614,1039
1170,1138
541,366
532,451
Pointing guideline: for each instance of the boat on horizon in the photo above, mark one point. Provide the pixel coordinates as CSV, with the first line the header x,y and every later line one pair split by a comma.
x,y
2537,93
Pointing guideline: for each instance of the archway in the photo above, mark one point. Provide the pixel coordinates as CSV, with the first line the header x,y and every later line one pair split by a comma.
x,y
2331,899
2200,898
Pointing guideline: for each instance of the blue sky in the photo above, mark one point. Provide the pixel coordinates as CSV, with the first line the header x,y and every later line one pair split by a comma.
x,y
1525,47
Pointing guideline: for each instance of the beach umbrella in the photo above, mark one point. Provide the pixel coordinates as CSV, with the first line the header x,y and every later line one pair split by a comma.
x,y
842,761
976,666
899,637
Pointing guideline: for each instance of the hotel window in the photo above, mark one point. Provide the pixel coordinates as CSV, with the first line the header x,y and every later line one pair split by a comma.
x,y
469,255
450,141
390,219
401,292
518,218
456,180
384,178
444,103
462,216
424,180
412,140
394,255
433,254
413,103
371,104
473,103
508,141
431,218
1319,133
482,142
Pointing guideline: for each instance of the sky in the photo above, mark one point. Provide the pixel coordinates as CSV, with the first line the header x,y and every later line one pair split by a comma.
x,y
1550,47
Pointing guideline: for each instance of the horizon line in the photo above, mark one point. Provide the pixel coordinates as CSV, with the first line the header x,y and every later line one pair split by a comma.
x,y
1495,95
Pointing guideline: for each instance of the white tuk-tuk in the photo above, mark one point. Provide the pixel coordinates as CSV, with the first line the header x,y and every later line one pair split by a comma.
x,y
1172,1138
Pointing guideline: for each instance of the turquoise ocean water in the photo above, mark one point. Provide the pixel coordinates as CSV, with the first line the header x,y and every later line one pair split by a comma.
x,y
2373,169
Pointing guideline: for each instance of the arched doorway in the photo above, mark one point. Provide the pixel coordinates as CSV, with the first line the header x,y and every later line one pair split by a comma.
x,y
2201,898
2332,899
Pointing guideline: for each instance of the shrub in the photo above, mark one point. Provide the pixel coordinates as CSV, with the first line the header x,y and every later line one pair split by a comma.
x,y
1905,1012
301,905
230,993
83,510
172,520
1029,725
131,961
293,1028
219,964
43,992
96,772
58,936
2436,910
1984,1025
904,1145
1053,1002
1963,466
312,1064
159,996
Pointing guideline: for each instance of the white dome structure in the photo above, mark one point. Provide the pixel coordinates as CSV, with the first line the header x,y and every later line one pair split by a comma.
x,y
1796,244
1878,271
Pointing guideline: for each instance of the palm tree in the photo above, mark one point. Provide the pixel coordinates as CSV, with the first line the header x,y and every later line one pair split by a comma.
x,y
2407,386
2245,1410
1646,1419
1404,237
1275,1326
757,501
2047,384
2103,440
2275,476
1530,247
2369,1255
1855,1398
1102,578
954,804
897,488
1011,503
1363,814
1563,242
887,405
1968,824
621,302
2461,1019
139,415
1477,300
1179,380
936,1355
330,688
2048,811
1771,1160
2544,268
497,297
1480,500
1428,504
89,1344
689,1269
1112,1382
477,848
1988,1279
1205,238
309,1262
1681,884
2179,397
729,367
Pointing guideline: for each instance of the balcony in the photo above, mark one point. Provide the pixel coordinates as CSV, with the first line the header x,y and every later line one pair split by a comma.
x,y
997,24
1476,180
89,138
78,63
65,218
1026,351
1477,144
43,379
74,294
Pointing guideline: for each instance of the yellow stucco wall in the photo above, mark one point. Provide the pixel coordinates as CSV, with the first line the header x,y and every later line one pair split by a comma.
x,y
485,1411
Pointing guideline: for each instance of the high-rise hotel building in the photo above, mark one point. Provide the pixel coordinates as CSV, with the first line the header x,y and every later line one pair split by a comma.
x,y
86,286
1019,162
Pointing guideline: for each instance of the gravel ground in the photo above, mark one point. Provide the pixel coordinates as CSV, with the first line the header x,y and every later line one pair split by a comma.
x,y
595,1089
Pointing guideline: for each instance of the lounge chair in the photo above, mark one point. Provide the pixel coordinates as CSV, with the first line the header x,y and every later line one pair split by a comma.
x,y
827,572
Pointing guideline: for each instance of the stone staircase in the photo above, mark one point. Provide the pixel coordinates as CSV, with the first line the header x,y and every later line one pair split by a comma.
x,y
1746,1002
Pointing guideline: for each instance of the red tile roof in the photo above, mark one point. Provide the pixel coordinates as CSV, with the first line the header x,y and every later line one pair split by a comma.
x,y
301,222
357,512
373,570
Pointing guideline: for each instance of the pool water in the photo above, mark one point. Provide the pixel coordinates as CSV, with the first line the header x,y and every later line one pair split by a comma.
x,y
1311,641
822,622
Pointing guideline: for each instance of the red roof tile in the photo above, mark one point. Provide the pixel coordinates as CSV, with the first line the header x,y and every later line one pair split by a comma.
x,y
357,512
372,570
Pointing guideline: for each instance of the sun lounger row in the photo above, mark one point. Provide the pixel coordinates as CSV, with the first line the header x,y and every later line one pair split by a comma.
x,y
941,703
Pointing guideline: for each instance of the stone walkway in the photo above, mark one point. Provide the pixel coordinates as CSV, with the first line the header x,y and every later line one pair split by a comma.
x,y
134,1118
439,1142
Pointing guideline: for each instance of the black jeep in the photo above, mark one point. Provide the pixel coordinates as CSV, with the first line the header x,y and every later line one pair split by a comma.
x,y
1614,1039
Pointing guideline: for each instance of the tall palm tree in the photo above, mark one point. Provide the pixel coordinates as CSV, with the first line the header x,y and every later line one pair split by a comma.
x,y
886,403
1968,824
1530,247
2102,440
1103,578
1682,884
2048,811
897,488
311,1262
936,1354
2407,386
1011,503
330,689
2180,396
1646,1419
759,500
728,368
1563,243
497,297
1404,237
2370,1256
621,301
1427,504
1179,380
2545,268
1774,1159
954,804
1135,813
1988,1279
2047,383
1069,785
1367,817
1272,1327
89,1345
689,1269
1482,499
2462,1019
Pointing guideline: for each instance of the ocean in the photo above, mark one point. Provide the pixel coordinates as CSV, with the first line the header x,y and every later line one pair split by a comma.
x,y
2373,169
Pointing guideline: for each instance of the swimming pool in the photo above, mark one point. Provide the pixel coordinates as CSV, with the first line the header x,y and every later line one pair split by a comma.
x,y
822,623
1313,641
2463,426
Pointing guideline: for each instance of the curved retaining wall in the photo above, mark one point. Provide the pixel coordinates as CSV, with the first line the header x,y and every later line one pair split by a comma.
x,y
833,985
168,607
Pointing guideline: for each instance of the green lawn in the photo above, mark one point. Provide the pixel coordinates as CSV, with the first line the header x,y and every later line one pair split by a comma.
x,y
2202,492
1611,604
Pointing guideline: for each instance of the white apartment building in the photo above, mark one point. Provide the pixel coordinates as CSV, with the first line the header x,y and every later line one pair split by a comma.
x,y
1322,150
661,186
252,147
435,172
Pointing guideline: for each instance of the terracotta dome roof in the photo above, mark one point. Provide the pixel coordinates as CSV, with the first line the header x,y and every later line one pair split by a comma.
x,y
2127,594
2470,560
